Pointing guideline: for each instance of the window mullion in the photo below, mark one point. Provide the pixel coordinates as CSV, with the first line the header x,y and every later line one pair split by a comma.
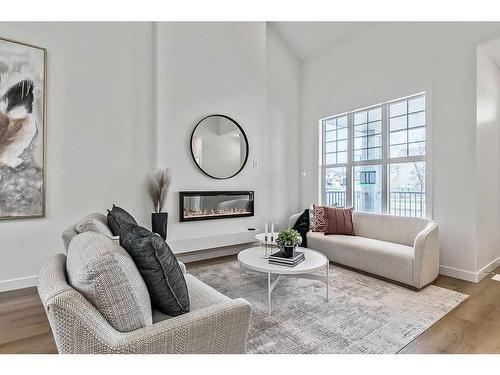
x,y
350,147
384,165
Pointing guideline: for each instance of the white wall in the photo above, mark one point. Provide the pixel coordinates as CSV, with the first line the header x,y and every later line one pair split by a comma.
x,y
283,105
392,60
123,99
227,68
99,128
487,157
206,68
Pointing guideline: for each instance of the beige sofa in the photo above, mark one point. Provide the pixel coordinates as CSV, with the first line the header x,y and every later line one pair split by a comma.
x,y
403,249
215,323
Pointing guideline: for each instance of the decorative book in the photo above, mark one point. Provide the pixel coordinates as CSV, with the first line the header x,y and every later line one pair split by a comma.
x,y
279,258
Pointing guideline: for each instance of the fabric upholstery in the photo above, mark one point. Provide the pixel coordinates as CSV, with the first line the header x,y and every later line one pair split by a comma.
x,y
404,249
95,222
339,221
107,277
320,219
397,229
79,328
68,234
118,217
382,258
159,268
200,294
182,266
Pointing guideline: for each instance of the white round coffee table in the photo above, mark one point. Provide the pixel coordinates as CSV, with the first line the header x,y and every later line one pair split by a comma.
x,y
253,259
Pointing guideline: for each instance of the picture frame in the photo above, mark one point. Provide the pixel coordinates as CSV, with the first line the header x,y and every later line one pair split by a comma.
x,y
23,130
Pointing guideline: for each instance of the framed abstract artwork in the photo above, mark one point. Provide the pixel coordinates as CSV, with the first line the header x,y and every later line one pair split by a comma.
x,y
22,130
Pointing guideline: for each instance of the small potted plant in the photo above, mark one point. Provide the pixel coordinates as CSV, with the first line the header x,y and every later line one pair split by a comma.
x,y
158,185
288,240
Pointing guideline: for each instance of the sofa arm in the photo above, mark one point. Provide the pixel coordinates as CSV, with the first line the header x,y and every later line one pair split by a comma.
x,y
219,328
426,256
182,266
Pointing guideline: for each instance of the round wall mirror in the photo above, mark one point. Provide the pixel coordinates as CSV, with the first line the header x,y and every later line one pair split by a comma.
x,y
219,146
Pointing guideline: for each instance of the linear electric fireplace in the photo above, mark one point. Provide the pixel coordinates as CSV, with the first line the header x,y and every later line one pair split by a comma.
x,y
207,205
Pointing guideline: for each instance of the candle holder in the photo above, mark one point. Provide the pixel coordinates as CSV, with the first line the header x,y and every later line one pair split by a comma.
x,y
266,253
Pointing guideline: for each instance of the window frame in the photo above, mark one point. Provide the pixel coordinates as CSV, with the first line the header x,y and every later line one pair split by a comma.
x,y
385,161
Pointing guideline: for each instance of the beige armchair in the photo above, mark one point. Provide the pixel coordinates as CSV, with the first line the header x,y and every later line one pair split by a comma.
x,y
216,323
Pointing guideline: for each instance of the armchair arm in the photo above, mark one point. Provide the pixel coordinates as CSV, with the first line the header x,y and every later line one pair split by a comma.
x,y
219,328
80,329
426,256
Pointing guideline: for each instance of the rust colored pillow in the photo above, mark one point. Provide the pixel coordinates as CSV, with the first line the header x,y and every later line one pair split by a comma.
x,y
320,219
339,221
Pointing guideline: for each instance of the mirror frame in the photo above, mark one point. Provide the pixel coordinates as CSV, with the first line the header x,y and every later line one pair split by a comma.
x,y
244,137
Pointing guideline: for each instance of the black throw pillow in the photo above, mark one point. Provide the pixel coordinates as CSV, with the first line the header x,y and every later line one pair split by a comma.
x,y
302,226
117,217
158,267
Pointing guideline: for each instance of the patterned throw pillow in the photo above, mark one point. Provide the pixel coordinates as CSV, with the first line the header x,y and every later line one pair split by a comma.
x,y
339,221
320,219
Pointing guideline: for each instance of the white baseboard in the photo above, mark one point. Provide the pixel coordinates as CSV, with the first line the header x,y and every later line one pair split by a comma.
x,y
483,272
458,273
474,277
23,282
212,253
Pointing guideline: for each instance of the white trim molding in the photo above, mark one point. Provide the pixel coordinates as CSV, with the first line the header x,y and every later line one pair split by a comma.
x,y
22,282
474,277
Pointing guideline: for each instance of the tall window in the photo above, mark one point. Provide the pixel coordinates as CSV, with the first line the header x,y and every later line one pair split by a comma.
x,y
374,159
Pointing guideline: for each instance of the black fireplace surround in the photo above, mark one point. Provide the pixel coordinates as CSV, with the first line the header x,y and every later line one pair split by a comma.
x,y
209,205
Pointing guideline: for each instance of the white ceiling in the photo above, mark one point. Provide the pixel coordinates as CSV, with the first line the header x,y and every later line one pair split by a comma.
x,y
309,39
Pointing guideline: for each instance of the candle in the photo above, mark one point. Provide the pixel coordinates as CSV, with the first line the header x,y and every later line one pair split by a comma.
x,y
272,229
266,229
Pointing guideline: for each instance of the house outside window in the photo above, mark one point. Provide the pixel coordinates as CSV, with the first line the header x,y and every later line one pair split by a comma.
x,y
374,159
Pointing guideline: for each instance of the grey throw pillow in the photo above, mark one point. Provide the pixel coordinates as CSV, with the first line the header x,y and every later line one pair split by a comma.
x,y
159,269
117,217
104,273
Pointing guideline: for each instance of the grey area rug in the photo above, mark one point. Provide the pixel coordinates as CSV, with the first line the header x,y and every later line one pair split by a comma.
x,y
363,314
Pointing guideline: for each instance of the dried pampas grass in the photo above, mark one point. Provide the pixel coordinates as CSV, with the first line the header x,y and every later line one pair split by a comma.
x,y
158,185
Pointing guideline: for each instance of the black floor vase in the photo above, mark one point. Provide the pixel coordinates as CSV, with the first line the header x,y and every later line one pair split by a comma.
x,y
159,222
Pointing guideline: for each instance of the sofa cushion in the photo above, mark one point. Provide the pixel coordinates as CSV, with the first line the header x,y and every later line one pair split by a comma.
x,y
118,217
95,222
339,221
159,268
386,259
200,296
107,277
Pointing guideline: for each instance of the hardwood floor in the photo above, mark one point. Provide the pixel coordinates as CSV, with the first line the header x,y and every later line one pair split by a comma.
x,y
23,324
473,327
